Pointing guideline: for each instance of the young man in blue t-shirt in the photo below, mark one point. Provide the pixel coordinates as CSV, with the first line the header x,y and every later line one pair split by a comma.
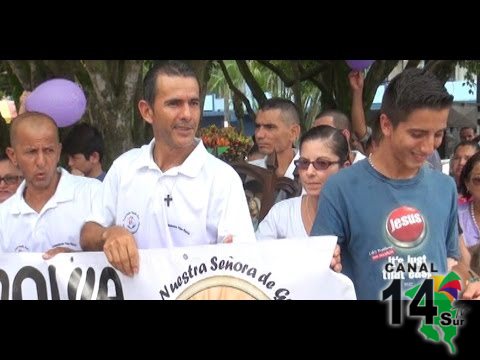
x,y
394,217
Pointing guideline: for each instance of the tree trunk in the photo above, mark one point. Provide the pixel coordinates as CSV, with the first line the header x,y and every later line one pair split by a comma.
x,y
110,87
202,69
443,69
115,85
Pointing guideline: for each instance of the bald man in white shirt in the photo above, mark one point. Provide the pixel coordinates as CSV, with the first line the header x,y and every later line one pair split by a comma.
x,y
50,206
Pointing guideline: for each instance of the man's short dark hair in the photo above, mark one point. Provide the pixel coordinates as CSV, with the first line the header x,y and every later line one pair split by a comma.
x,y
337,141
414,89
3,155
340,120
84,139
289,110
169,68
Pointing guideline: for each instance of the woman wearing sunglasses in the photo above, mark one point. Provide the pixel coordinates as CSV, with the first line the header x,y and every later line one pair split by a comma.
x,y
10,177
323,152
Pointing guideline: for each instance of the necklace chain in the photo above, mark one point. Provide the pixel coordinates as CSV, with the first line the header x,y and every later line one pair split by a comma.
x,y
472,213
169,196
307,210
371,162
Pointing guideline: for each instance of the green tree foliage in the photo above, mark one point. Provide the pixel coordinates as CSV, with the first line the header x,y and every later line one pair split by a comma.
x,y
313,85
114,87
471,77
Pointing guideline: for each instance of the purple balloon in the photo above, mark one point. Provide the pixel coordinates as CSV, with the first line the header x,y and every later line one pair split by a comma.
x,y
63,100
359,65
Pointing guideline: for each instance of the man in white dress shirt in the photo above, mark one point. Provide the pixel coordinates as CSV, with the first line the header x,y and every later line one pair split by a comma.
x,y
171,192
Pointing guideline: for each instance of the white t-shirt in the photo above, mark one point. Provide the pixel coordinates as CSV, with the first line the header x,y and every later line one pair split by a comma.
x,y
58,223
284,220
358,156
199,202
291,168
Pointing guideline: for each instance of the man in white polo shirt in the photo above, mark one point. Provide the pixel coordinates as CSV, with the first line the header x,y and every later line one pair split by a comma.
x,y
171,192
49,208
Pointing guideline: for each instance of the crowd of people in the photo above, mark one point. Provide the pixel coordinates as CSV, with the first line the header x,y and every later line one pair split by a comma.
x,y
369,186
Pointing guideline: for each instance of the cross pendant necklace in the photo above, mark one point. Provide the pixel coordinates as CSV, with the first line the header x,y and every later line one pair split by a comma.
x,y
168,199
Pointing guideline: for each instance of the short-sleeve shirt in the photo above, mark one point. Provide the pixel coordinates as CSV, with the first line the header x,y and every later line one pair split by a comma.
x,y
289,173
382,222
284,220
197,203
470,230
59,222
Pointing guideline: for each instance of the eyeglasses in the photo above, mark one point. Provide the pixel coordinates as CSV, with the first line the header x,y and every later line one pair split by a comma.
x,y
10,179
304,164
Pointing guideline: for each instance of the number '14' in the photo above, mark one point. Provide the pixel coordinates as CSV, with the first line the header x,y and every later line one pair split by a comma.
x,y
417,307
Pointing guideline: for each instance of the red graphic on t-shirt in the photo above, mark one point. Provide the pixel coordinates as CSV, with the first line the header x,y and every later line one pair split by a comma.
x,y
405,227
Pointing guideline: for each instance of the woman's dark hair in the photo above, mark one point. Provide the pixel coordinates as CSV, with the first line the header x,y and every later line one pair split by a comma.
x,y
466,172
463,143
339,144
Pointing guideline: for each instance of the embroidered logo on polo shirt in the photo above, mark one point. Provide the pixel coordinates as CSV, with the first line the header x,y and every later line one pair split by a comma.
x,y
22,248
406,227
131,222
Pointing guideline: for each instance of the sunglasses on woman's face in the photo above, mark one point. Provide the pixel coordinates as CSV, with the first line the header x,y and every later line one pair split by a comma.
x,y
10,179
319,164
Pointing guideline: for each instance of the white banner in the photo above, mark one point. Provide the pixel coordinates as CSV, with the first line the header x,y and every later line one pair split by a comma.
x,y
276,270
